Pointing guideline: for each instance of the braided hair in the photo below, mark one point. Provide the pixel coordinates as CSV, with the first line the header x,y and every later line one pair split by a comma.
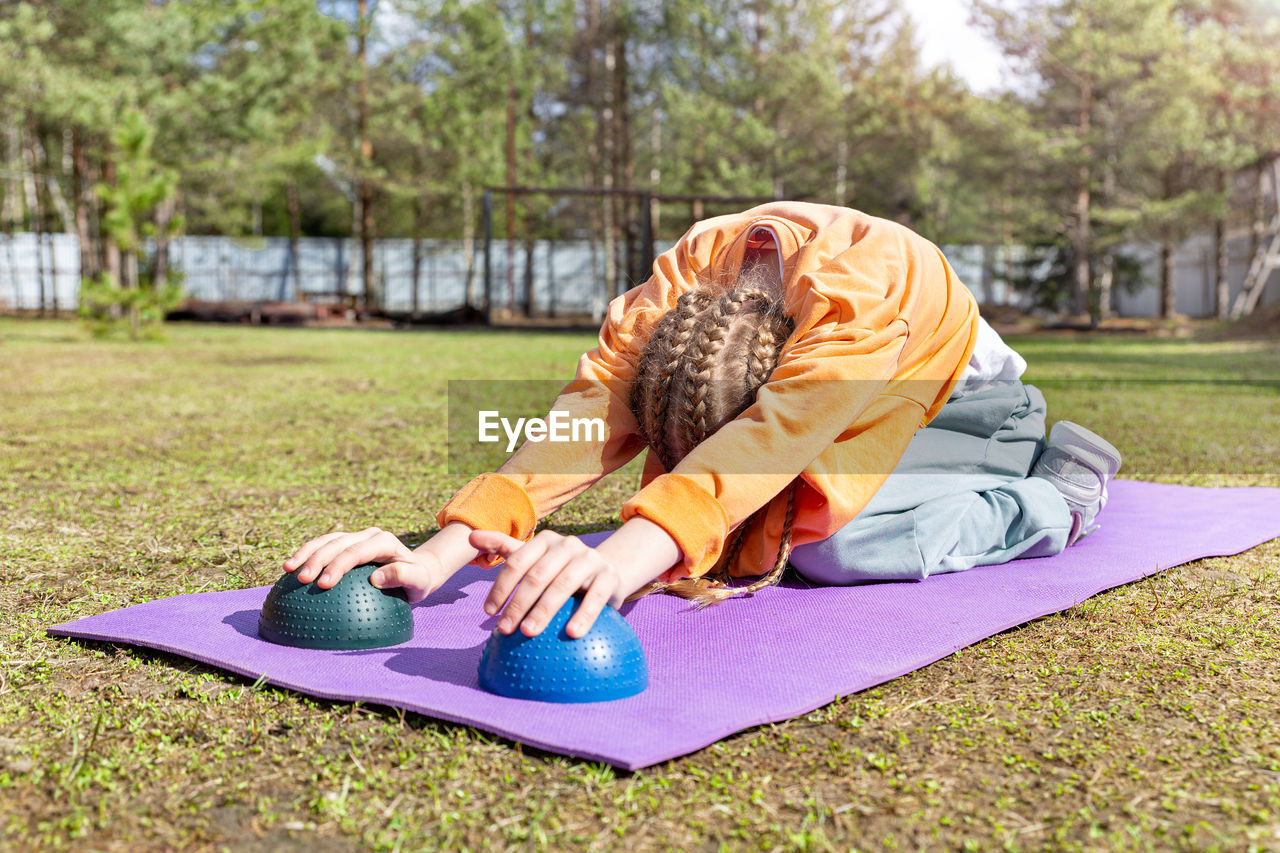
x,y
701,368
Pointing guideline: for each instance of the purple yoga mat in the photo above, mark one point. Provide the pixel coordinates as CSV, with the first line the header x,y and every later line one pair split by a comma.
x,y
746,662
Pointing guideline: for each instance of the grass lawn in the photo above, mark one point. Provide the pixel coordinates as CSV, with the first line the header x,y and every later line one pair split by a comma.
x,y
1146,717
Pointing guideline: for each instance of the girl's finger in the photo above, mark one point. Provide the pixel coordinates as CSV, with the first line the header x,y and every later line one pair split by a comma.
x,y
600,589
309,548
569,580
415,578
493,542
532,585
312,566
519,561
377,548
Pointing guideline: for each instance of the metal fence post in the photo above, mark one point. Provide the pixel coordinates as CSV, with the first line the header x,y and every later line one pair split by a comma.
x,y
646,237
488,246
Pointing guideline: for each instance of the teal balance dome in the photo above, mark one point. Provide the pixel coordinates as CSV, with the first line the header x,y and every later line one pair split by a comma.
x,y
354,614
606,663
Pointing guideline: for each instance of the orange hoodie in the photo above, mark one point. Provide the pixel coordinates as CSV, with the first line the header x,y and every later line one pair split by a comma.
x,y
883,330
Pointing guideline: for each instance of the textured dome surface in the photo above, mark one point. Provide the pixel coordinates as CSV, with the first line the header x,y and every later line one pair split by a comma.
x,y
607,663
354,614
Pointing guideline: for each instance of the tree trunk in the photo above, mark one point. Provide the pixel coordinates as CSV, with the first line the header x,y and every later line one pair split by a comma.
x,y
97,243
625,170
372,299
163,219
1258,227
511,196
57,202
470,297
295,236
130,268
419,214
1080,236
1106,278
528,307
1222,285
82,188
842,171
591,38
13,211
1265,258
655,183
52,201
14,285
37,222
598,143
695,177
1080,246
1167,295
53,271
608,165
609,248
988,274
1100,302
372,287
111,252
353,256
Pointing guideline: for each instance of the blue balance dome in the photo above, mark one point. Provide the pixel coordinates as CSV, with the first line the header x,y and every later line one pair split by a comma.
x,y
607,663
354,614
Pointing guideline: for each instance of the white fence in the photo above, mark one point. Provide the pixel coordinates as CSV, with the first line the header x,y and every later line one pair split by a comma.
x,y
566,277
22,269
1193,277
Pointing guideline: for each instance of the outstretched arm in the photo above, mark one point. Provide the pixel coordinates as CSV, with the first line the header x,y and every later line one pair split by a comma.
x,y
420,571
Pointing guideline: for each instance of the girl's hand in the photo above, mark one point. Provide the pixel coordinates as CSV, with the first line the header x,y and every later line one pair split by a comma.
x,y
333,555
549,568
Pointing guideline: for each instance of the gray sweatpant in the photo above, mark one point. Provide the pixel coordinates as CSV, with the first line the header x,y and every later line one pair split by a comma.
x,y
959,497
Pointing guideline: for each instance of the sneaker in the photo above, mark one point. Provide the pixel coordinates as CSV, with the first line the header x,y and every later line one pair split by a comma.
x,y
1079,463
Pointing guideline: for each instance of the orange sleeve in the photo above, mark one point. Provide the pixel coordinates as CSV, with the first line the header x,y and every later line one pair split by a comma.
x,y
542,475
854,320
548,474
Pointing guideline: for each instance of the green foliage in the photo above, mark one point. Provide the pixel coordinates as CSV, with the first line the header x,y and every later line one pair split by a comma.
x,y
1148,106
1135,108
109,310
1044,274
141,184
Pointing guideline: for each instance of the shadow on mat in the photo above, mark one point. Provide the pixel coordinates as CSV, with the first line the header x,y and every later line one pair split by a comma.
x,y
453,666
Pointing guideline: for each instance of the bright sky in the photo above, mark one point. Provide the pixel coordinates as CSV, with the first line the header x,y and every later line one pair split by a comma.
x,y
948,38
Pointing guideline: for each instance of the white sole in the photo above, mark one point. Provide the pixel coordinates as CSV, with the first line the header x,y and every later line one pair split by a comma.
x,y
1068,434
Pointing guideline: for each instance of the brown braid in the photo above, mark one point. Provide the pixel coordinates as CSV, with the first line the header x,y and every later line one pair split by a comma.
x,y
650,399
694,384
703,364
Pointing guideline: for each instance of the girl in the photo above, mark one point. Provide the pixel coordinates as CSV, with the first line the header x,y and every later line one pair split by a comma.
x,y
779,365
